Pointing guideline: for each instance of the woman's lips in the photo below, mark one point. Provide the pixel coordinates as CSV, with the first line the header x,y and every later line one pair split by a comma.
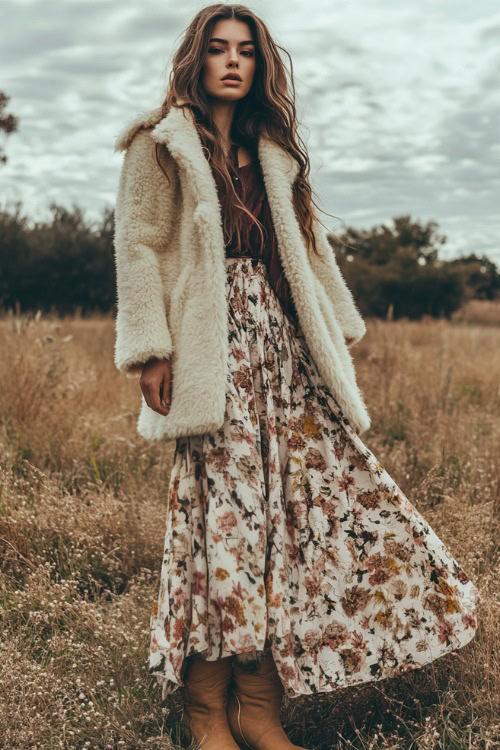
x,y
231,80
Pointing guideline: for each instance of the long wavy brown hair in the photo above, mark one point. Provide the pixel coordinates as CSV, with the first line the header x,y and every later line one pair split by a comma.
x,y
269,107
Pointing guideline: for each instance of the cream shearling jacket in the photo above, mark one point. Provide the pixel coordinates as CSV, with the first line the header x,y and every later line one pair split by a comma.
x,y
170,270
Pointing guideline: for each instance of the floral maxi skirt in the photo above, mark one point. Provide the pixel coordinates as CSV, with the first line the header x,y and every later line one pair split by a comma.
x,y
284,532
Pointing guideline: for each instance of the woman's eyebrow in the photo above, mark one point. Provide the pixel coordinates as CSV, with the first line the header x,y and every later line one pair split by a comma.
x,y
224,41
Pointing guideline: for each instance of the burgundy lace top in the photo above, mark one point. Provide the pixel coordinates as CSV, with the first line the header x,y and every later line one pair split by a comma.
x,y
249,185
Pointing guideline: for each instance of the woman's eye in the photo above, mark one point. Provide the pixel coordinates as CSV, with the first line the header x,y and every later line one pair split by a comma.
x,y
245,52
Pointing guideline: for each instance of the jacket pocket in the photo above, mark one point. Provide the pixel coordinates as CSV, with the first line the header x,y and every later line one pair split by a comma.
x,y
178,297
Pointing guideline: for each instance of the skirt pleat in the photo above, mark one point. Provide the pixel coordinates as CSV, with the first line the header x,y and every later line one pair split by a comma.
x,y
285,533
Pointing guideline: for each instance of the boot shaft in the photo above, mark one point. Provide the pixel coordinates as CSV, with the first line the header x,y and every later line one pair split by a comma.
x,y
254,705
204,695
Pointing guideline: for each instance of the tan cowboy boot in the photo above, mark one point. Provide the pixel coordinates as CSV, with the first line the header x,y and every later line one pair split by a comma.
x,y
253,707
205,694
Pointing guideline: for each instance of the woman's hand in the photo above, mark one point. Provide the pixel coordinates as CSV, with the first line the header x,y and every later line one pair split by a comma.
x,y
156,384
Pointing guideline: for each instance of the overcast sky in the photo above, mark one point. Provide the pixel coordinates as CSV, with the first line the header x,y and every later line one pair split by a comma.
x,y
399,103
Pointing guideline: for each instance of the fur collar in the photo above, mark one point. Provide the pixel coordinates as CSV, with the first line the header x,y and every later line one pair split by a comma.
x,y
177,130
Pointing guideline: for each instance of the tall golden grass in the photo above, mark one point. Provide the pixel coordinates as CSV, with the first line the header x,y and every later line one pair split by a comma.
x,y
82,512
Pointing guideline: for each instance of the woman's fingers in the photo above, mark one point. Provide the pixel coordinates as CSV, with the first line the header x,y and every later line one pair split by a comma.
x,y
158,404
156,385
165,388
151,393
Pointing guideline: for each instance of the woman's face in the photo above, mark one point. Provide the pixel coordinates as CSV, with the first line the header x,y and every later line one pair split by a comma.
x,y
231,50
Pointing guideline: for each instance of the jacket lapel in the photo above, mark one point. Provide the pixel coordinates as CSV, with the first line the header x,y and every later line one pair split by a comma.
x,y
177,130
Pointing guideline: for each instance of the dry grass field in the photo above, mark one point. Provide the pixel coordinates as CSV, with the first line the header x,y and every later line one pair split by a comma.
x,y
82,512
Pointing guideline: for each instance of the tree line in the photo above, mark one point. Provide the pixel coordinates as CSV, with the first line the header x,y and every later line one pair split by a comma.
x,y
66,264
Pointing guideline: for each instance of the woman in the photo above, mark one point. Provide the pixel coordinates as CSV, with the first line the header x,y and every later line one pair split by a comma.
x,y
293,562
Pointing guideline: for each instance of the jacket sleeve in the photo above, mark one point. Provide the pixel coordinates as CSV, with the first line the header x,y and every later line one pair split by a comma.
x,y
346,311
142,226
